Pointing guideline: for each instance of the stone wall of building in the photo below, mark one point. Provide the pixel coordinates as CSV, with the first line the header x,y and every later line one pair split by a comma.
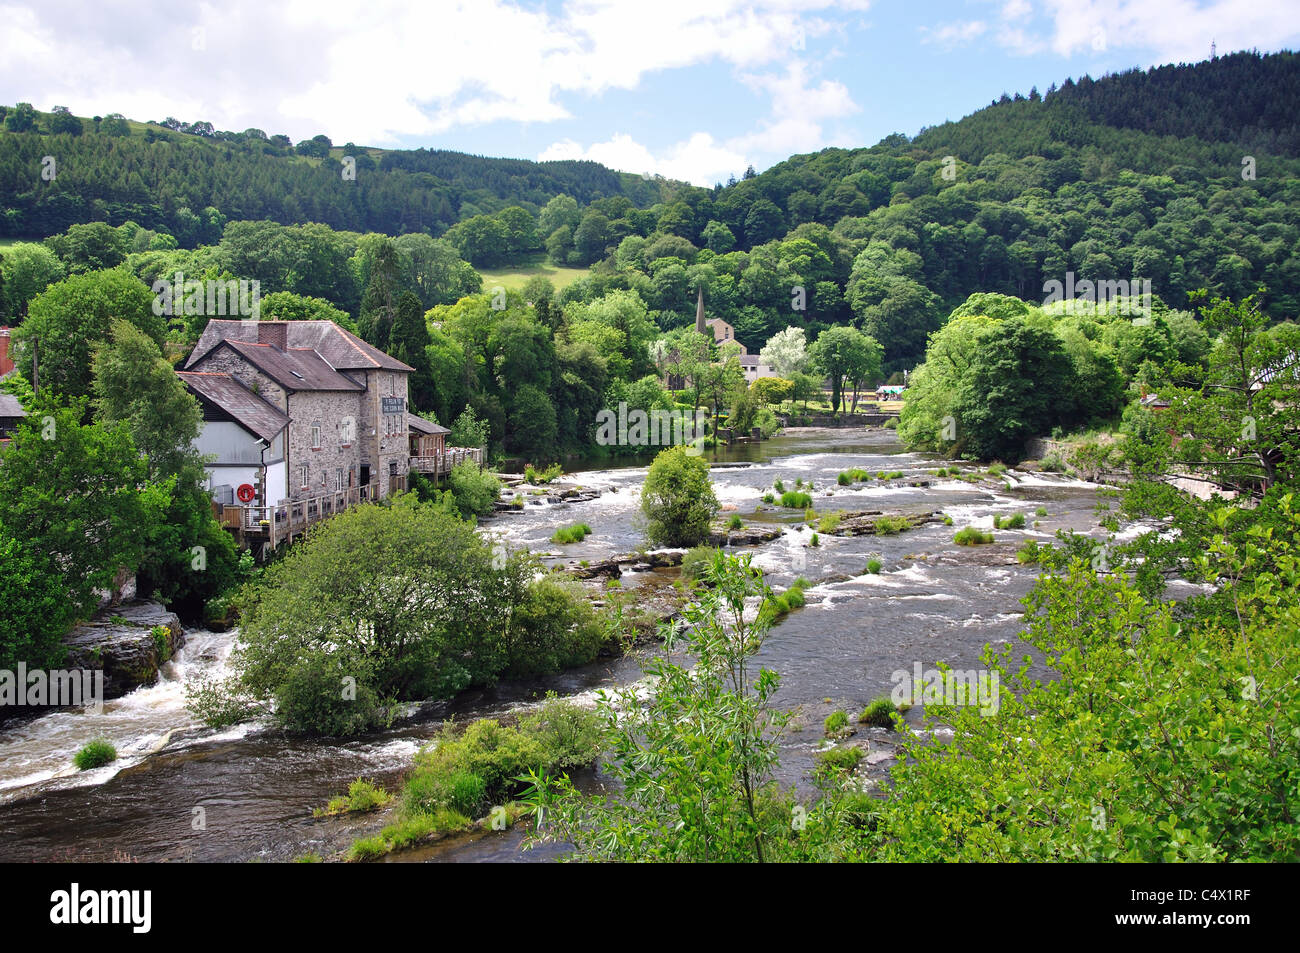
x,y
329,409
225,361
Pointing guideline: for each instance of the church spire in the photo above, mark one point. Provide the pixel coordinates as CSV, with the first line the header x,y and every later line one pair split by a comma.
x,y
699,312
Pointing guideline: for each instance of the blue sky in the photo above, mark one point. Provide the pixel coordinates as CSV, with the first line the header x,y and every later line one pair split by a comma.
x,y
691,89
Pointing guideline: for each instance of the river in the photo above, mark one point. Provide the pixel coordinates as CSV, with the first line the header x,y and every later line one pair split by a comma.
x,y
179,791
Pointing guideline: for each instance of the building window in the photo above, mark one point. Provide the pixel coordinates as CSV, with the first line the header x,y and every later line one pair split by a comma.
x,y
347,430
304,475
315,435
338,478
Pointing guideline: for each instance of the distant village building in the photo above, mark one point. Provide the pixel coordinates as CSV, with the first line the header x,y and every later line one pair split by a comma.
x,y
11,414
724,332
754,369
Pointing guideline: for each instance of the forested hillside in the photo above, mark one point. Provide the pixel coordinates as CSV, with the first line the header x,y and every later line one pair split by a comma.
x,y
187,179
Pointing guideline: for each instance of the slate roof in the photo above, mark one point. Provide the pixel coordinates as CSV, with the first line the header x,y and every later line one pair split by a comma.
x,y
298,368
420,425
9,406
342,349
227,395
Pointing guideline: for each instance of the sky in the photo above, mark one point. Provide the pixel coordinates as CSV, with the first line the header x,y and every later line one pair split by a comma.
x,y
690,89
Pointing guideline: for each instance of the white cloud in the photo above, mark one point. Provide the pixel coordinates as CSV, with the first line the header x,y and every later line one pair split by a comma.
x,y
382,70
795,124
953,34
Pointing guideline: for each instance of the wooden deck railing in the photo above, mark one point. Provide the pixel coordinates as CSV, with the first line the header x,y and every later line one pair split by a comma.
x,y
290,519
439,463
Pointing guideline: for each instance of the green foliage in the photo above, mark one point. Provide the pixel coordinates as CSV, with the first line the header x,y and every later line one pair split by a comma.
x,y
880,713
362,796
840,759
970,536
542,477
72,317
571,534
474,489
794,500
677,499
835,723
693,764
396,602
94,754
1014,521
874,566
697,561
1028,553
735,522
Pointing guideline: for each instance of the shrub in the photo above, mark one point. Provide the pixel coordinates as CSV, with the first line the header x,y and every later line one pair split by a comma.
x,y
843,758
768,498
829,523
835,723
879,713
571,534
1041,511
427,791
162,642
678,499
569,734
970,536
541,477
891,423
362,796
793,500
1052,463
1015,521
697,560
779,486
94,754
734,522
407,832
874,566
947,520
997,469
1028,553
474,490
891,525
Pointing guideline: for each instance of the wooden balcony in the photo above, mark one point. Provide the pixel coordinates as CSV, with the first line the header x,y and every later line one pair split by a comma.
x,y
441,462
285,522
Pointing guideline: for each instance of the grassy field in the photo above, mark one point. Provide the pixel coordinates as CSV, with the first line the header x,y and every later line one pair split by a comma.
x,y
516,276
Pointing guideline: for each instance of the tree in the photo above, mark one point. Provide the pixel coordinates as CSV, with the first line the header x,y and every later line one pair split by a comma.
x,y
409,343
79,495
22,118
718,238
63,123
786,352
26,270
379,303
115,126
532,425
134,384
1020,384
72,317
90,247
287,306
590,237
438,274
677,499
36,611
772,391
847,357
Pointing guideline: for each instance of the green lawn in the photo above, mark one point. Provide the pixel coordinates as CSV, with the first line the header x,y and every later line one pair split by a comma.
x,y
513,277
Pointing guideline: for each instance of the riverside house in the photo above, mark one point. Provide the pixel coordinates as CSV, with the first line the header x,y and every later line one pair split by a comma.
x,y
301,420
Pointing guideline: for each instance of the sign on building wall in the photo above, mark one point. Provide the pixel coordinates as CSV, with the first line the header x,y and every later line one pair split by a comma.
x,y
393,405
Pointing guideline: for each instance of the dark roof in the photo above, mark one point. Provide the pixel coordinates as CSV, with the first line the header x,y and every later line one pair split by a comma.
x,y
340,348
9,406
749,360
420,425
236,401
298,368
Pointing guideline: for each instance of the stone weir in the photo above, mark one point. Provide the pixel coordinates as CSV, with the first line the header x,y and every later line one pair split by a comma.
x,y
128,642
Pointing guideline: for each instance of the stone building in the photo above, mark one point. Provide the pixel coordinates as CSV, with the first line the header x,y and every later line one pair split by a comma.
x,y
299,410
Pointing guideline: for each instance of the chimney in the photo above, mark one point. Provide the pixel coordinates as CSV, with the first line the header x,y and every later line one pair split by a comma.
x,y
699,312
6,364
274,333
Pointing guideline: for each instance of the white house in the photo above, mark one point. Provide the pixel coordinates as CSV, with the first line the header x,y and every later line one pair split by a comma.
x,y
243,433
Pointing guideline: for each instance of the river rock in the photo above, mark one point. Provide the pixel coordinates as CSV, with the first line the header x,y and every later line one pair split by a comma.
x,y
745,536
615,566
864,523
121,643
